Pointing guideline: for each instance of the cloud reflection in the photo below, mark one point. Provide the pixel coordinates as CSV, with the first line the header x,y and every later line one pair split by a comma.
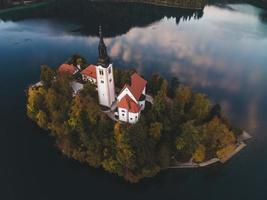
x,y
219,60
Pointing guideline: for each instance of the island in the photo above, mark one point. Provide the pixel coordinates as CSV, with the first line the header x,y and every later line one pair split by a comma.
x,y
115,119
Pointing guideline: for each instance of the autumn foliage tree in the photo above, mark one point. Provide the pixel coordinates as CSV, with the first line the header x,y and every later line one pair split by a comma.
x,y
181,125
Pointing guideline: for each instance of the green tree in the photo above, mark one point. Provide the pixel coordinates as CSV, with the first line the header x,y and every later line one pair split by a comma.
x,y
199,154
164,155
159,105
125,153
35,101
181,100
189,139
42,119
173,87
47,76
154,84
52,101
155,130
200,107
89,90
216,135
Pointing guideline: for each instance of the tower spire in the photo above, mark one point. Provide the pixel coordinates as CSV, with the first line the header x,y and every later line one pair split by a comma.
x,y
103,58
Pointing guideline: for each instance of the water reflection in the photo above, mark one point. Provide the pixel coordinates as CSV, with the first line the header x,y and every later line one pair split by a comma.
x,y
223,53
223,56
218,54
115,18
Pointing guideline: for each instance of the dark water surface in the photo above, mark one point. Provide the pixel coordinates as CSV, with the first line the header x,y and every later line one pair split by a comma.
x,y
222,51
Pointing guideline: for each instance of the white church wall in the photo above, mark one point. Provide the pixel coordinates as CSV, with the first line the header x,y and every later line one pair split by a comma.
x,y
123,114
111,84
133,117
106,91
144,91
142,104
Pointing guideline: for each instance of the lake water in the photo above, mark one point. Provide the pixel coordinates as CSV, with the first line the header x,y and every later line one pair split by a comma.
x,y
222,52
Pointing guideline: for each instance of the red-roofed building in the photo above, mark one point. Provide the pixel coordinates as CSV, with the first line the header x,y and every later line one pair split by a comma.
x,y
131,99
66,68
128,110
89,74
138,85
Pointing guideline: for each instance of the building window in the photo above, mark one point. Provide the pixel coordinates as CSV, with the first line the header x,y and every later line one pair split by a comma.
x,y
109,70
102,81
101,72
122,114
123,111
131,119
110,80
135,117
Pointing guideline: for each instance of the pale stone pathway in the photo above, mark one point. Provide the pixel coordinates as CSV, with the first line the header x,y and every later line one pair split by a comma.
x,y
190,164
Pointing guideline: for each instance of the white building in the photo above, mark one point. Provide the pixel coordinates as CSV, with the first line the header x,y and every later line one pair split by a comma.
x,y
131,100
104,74
128,110
76,87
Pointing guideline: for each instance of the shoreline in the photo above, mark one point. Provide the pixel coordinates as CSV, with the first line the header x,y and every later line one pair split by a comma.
x,y
190,164
240,145
193,5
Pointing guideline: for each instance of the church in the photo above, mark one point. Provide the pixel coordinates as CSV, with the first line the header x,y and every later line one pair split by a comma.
x,y
128,104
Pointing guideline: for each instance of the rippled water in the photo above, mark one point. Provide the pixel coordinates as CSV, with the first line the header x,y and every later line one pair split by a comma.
x,y
223,53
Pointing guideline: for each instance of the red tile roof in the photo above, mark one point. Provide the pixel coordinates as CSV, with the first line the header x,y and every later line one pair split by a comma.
x,y
90,71
137,85
126,86
67,68
127,103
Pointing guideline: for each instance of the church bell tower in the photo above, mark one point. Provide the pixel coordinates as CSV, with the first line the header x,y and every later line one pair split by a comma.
x,y
104,71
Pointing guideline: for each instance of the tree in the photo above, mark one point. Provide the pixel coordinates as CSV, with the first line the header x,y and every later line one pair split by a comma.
x,y
200,107
42,119
225,151
35,101
154,84
164,155
47,76
113,166
89,90
155,130
81,62
215,111
189,139
77,60
216,135
52,100
159,104
181,99
122,77
125,153
76,118
199,154
179,122
173,87
62,86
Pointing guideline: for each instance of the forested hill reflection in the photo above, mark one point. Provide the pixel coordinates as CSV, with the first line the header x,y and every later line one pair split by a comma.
x,y
116,18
